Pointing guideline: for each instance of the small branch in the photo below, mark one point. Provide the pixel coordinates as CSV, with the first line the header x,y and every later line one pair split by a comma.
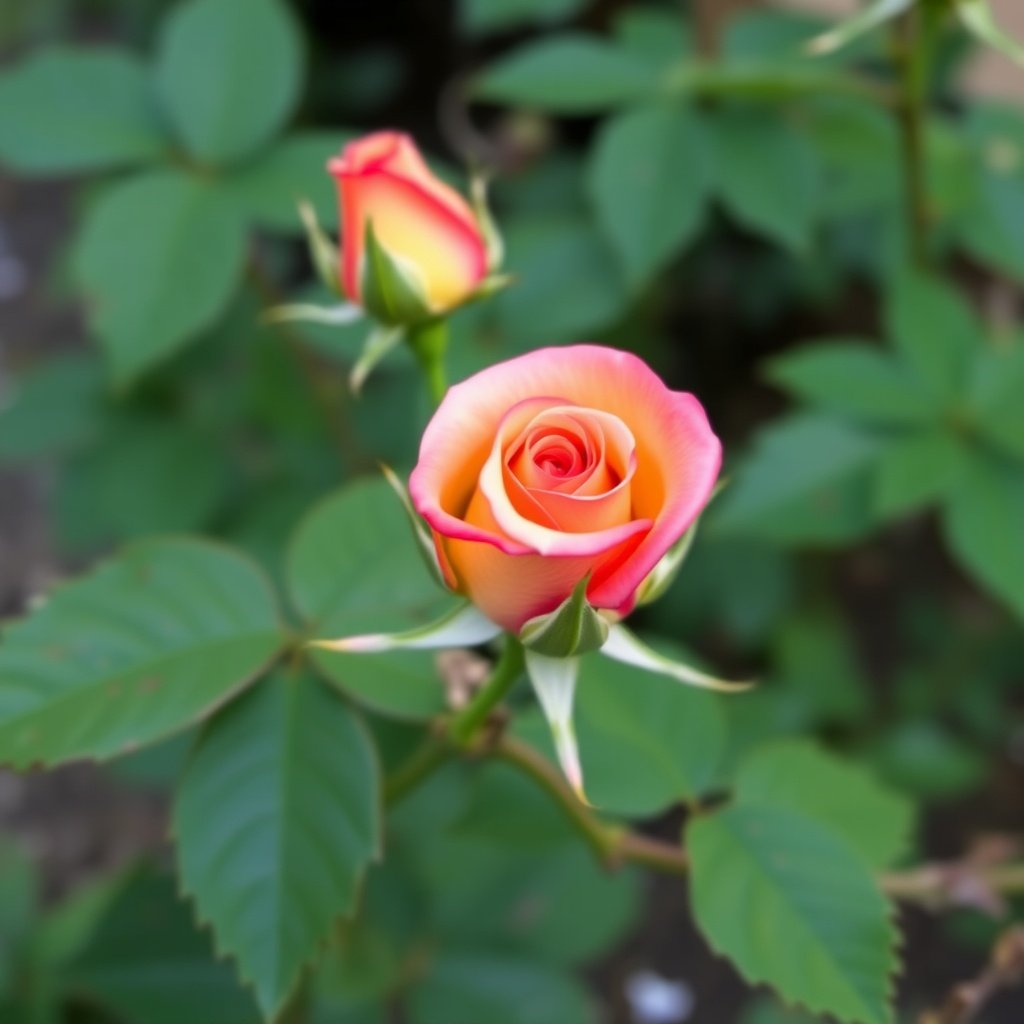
x,y
464,726
911,46
599,836
1006,968
423,762
707,23
614,846
958,884
461,730
668,858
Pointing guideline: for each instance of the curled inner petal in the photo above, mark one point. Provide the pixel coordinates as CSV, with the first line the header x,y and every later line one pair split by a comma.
x,y
558,469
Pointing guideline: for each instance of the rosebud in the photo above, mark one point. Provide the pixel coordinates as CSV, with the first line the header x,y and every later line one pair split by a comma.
x,y
412,247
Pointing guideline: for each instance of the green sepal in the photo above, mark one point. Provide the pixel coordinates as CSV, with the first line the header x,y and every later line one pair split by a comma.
x,y
976,16
491,285
391,290
462,626
662,576
310,313
493,241
322,251
575,627
424,541
379,342
874,14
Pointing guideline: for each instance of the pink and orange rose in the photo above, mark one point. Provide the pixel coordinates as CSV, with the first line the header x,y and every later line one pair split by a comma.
x,y
422,223
558,464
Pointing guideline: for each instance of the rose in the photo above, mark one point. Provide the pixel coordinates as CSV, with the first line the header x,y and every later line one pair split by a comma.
x,y
421,223
560,464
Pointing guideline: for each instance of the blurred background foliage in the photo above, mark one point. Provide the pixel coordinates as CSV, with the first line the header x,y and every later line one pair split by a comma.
x,y
696,189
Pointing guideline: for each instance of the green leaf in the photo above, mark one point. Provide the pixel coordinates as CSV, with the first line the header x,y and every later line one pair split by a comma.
x,y
767,174
52,408
996,409
762,35
19,903
646,742
269,188
982,523
64,932
159,258
568,74
275,822
926,759
855,378
149,964
996,134
656,35
469,987
353,568
859,147
507,811
916,470
229,73
840,794
567,283
807,481
129,483
479,877
794,907
479,17
935,330
67,110
648,178
144,646
977,17
811,646
767,1011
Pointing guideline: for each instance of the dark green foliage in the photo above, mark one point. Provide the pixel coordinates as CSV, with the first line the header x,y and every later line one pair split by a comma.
x,y
742,224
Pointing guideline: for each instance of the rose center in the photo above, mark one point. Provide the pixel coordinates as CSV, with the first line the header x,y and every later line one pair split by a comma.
x,y
559,453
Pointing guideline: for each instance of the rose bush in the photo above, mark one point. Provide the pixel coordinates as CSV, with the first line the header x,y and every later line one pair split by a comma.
x,y
556,465
422,224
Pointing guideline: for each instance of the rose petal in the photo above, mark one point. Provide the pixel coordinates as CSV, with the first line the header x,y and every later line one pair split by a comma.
x,y
590,527
677,455
397,153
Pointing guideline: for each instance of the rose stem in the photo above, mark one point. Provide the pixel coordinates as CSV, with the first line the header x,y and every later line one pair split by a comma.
x,y
614,845
429,342
461,729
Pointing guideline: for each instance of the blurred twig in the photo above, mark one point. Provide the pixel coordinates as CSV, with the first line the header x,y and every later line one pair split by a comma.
x,y
1005,968
707,18
982,880
911,46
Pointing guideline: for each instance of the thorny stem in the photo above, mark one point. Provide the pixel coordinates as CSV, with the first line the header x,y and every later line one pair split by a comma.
x,y
429,342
